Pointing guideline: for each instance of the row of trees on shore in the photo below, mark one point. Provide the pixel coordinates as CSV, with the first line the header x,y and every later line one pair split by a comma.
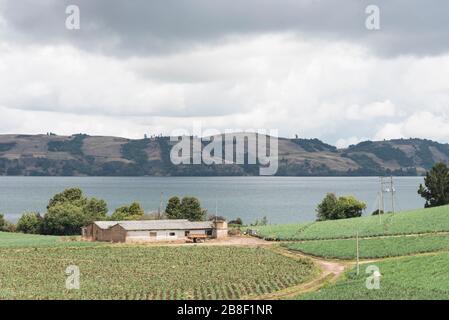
x,y
70,210
435,191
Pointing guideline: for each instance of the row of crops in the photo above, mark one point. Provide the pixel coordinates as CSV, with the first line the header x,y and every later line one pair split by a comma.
x,y
412,222
138,272
416,278
20,240
373,247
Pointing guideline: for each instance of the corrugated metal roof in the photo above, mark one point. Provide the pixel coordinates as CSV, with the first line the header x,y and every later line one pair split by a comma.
x,y
165,225
179,224
105,224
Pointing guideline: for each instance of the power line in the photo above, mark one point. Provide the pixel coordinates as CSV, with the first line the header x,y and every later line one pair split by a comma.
x,y
160,207
387,186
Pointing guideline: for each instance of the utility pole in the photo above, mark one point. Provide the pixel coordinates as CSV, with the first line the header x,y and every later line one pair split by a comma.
x,y
216,210
160,207
388,187
358,260
392,194
380,206
381,199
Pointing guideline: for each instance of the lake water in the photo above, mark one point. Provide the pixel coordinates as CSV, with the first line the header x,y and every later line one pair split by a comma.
x,y
281,199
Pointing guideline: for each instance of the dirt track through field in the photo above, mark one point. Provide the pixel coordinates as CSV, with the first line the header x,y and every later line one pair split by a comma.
x,y
329,272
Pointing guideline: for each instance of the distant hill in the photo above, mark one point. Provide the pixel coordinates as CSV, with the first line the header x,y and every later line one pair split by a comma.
x,y
83,155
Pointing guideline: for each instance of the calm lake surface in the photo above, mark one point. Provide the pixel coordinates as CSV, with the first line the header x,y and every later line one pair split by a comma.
x,y
281,199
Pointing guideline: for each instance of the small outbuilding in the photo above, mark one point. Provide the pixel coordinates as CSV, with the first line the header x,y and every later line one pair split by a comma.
x,y
154,230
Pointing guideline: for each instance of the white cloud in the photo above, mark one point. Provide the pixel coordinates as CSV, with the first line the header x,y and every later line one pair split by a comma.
x,y
335,91
344,143
419,124
371,111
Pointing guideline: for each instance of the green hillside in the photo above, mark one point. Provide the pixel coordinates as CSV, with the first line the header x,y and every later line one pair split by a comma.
x,y
410,222
372,247
411,278
84,155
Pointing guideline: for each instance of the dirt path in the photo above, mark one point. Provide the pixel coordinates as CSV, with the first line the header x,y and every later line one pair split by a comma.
x,y
329,272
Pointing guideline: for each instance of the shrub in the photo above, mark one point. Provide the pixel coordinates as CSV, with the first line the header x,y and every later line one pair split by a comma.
x,y
30,223
333,208
237,221
64,219
132,212
5,226
59,220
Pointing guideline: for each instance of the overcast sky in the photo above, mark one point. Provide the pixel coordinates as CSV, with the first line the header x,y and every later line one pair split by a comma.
x,y
306,67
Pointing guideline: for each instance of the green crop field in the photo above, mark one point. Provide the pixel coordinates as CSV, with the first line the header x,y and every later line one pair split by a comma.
x,y
411,222
281,231
422,277
373,247
139,272
20,240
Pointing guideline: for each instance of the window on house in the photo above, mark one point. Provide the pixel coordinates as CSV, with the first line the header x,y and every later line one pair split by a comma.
x,y
209,232
172,234
153,234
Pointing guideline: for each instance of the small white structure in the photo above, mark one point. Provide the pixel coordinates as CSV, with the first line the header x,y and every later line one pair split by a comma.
x,y
154,230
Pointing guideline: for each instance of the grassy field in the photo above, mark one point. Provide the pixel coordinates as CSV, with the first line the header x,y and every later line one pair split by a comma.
x,y
412,278
139,272
19,240
373,247
411,222
33,267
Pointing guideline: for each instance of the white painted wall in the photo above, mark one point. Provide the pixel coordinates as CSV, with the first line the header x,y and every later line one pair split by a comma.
x,y
161,235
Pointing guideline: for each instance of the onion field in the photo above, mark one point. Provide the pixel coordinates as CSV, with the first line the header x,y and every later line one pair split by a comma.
x,y
410,278
139,272
20,240
373,247
411,222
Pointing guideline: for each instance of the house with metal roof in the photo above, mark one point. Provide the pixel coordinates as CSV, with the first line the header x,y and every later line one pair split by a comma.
x,y
154,230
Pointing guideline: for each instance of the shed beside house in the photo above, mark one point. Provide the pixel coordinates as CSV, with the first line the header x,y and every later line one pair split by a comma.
x,y
98,231
153,230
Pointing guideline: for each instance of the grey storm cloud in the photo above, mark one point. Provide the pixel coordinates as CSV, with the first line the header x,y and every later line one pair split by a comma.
x,y
142,27
303,66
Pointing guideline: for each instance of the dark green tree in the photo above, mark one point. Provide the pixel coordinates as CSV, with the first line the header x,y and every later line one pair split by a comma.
x,y
5,225
376,212
73,195
95,210
436,190
30,222
173,208
132,212
333,208
325,210
85,211
136,210
349,207
237,221
2,222
191,209
64,219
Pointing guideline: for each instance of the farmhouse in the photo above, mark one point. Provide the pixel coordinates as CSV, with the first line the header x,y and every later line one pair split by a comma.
x,y
154,230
